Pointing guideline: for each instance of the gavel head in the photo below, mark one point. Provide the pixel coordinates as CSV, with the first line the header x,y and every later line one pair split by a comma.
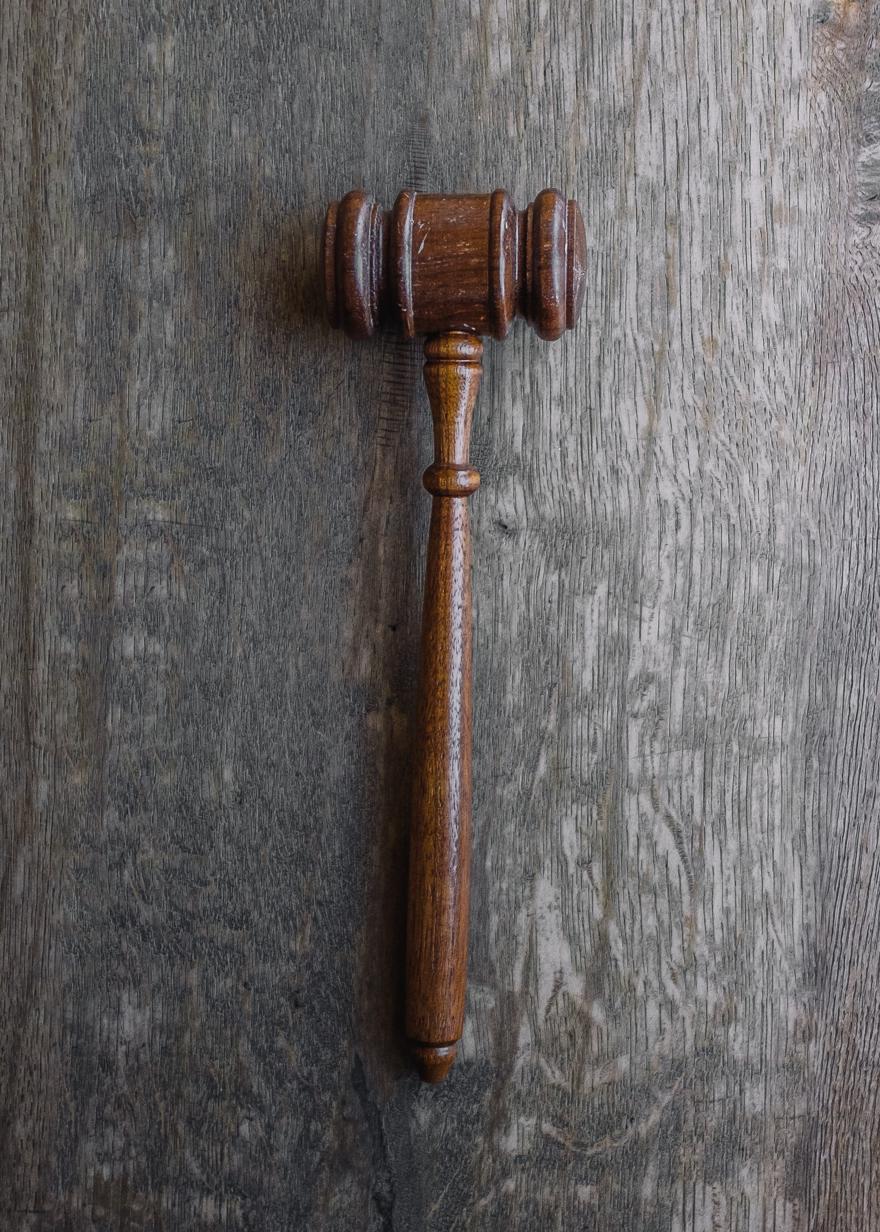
x,y
435,263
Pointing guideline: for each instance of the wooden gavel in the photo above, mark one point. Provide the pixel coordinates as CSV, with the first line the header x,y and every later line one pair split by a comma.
x,y
451,267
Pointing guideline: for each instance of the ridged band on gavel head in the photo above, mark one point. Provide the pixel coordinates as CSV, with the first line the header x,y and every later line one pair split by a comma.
x,y
436,263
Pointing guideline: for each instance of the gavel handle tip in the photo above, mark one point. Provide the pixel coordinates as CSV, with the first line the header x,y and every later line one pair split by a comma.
x,y
434,1061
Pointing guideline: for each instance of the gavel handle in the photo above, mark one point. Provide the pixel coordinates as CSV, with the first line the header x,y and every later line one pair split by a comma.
x,y
440,835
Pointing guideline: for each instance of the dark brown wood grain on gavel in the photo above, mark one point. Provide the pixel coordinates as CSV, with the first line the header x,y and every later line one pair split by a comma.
x,y
452,267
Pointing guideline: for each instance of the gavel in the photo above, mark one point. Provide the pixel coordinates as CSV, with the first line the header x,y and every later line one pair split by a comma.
x,y
453,267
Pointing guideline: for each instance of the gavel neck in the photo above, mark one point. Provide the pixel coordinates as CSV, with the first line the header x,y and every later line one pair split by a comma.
x,y
453,368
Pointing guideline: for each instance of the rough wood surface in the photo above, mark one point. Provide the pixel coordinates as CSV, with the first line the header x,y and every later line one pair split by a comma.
x,y
212,527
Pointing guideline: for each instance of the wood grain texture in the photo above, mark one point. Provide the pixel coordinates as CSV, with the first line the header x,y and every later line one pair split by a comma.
x,y
210,611
441,745
446,261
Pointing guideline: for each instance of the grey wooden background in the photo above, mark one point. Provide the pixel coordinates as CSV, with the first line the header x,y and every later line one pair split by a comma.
x,y
212,542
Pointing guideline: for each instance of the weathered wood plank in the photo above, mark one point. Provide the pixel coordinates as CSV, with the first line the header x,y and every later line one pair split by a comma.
x,y
211,544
